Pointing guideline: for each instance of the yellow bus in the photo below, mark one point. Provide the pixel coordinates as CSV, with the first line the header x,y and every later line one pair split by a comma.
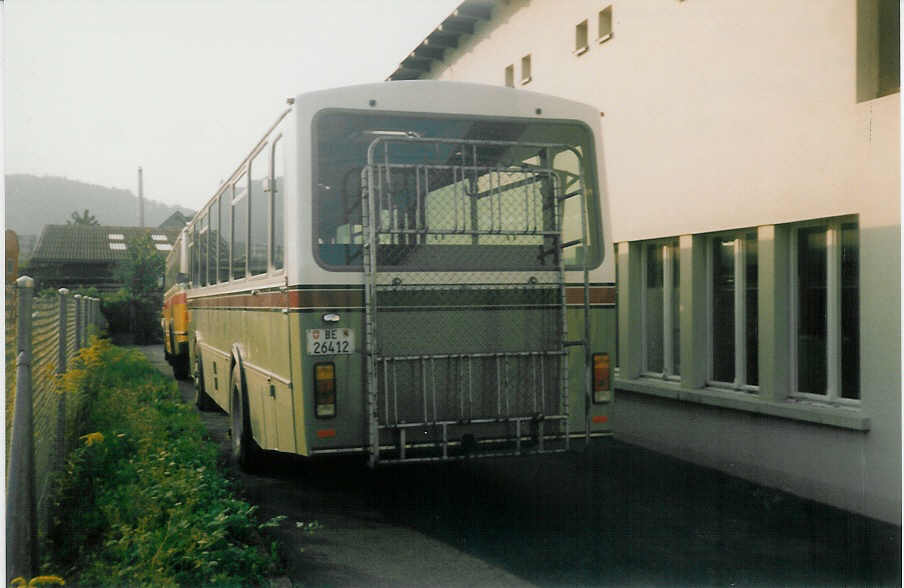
x,y
407,271
174,317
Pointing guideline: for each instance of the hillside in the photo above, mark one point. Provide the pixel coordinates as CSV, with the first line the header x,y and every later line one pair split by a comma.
x,y
35,201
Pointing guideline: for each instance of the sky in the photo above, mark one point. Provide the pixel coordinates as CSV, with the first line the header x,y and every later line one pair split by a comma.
x,y
184,88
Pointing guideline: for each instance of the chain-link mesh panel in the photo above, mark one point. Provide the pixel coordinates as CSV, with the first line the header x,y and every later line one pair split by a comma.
x,y
465,282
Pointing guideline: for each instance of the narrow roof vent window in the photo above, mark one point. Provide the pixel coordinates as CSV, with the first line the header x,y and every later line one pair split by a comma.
x,y
118,246
605,24
525,69
580,38
115,236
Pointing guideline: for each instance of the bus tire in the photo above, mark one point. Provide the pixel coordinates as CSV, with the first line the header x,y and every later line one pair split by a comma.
x,y
202,400
180,366
245,451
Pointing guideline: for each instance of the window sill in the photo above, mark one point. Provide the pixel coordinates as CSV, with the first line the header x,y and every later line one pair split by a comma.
x,y
831,416
581,50
604,38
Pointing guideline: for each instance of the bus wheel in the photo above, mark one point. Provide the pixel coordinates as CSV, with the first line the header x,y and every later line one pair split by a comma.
x,y
180,366
245,452
202,400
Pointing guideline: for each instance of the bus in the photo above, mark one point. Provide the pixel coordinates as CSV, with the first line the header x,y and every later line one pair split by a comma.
x,y
408,271
174,318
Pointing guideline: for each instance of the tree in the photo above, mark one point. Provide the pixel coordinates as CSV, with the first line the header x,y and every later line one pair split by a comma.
x,y
85,218
138,302
142,269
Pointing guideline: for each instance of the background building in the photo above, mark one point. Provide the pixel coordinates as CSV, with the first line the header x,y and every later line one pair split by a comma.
x,y
753,170
73,256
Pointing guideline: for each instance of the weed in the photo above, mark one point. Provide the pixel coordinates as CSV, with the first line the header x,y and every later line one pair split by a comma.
x,y
142,501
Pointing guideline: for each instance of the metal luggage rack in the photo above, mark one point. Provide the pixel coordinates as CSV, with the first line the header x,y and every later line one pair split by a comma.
x,y
474,338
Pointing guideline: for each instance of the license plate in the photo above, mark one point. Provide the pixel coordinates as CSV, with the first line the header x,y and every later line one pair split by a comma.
x,y
337,341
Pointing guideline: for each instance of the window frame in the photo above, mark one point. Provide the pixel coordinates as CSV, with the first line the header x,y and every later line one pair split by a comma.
x,y
833,391
526,69
740,311
668,289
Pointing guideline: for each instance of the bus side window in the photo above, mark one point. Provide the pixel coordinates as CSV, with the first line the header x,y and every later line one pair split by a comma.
x,y
223,237
277,199
202,250
258,205
193,256
239,226
212,240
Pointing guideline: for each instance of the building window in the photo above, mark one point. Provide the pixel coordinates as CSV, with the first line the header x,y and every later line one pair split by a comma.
x,y
878,48
580,38
660,315
525,69
733,333
510,76
605,24
826,341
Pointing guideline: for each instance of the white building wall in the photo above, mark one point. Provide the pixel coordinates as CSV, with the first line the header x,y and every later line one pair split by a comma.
x,y
722,114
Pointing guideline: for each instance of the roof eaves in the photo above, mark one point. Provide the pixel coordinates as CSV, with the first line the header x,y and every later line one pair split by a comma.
x,y
445,36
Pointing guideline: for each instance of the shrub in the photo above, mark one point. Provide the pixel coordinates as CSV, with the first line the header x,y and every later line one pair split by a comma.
x,y
143,502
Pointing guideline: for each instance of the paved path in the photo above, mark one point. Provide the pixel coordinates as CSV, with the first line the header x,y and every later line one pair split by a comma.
x,y
614,515
354,545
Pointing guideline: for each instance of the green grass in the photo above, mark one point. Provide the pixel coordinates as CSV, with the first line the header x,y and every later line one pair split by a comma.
x,y
147,505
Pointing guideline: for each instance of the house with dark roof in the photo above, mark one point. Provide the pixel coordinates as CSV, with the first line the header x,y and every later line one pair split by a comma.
x,y
177,220
72,256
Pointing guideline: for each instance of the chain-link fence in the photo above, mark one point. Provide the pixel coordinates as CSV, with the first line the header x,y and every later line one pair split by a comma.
x,y
43,337
464,259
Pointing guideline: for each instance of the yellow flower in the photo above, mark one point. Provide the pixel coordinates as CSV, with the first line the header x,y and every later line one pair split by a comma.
x,y
90,439
38,580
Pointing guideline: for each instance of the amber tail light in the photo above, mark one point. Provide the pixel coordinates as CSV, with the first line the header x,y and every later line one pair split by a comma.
x,y
601,382
324,390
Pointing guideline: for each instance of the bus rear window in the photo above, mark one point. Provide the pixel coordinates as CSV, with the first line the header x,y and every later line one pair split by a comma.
x,y
452,193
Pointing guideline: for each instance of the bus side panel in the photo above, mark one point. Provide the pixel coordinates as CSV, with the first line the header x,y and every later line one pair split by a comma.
x,y
300,386
602,340
179,323
347,429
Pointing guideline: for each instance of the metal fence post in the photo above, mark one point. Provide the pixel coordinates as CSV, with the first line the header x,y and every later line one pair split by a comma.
x,y
91,309
21,506
62,366
79,326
